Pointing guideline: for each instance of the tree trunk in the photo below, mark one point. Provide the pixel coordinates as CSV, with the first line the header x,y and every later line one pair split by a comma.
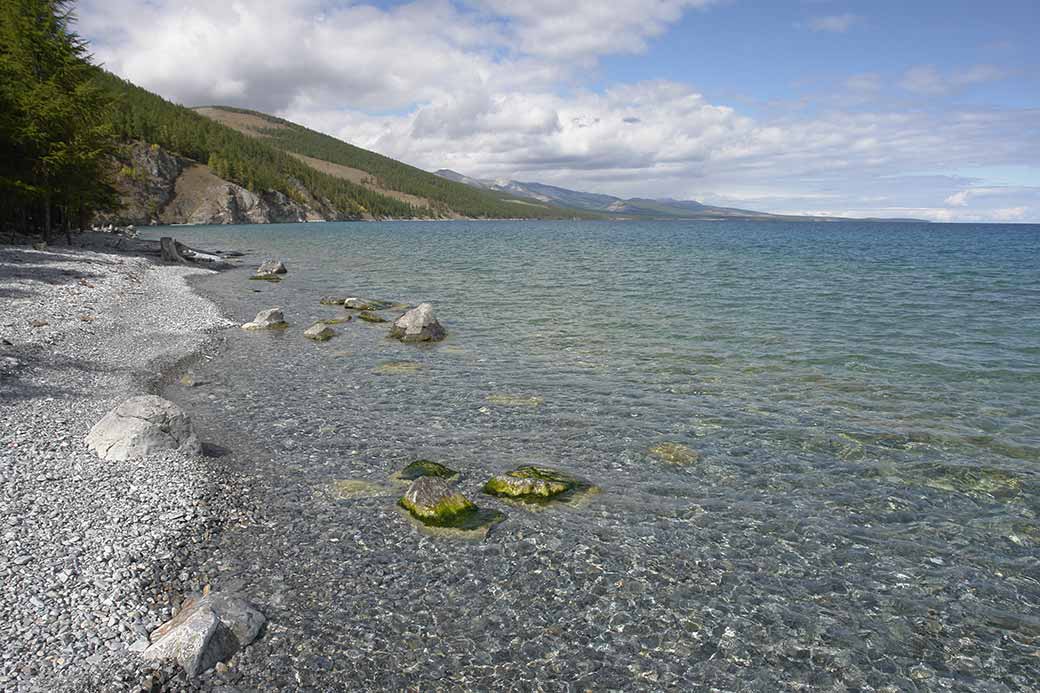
x,y
47,219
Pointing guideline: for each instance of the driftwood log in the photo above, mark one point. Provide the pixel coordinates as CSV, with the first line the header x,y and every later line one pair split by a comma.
x,y
172,251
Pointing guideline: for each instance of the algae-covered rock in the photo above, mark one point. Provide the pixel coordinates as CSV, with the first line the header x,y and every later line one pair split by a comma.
x,y
531,483
398,368
441,510
266,278
421,468
319,332
418,325
369,316
270,319
514,401
434,501
355,303
985,481
674,453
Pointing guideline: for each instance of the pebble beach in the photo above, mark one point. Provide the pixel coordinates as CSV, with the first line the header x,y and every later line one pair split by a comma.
x,y
94,554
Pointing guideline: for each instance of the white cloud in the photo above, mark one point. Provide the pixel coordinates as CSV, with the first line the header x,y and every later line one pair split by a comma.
x,y
836,23
493,89
929,81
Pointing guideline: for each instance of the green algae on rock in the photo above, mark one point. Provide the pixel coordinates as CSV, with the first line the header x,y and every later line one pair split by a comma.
x,y
973,481
436,504
674,453
266,278
531,484
421,468
336,321
368,316
332,301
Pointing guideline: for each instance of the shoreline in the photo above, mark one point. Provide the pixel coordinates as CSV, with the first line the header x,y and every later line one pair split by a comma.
x,y
95,553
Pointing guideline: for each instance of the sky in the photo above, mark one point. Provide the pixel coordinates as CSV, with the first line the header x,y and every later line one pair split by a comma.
x,y
927,109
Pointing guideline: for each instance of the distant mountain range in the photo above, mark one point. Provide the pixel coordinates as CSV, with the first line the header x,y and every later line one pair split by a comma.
x,y
636,207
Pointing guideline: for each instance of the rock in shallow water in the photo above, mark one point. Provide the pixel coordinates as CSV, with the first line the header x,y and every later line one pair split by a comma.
x,y
531,483
140,426
272,318
319,332
674,453
418,325
441,509
421,468
206,630
270,267
369,316
356,303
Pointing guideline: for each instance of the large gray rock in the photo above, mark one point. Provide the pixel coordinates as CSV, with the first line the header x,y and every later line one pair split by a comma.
x,y
140,426
207,630
418,325
272,318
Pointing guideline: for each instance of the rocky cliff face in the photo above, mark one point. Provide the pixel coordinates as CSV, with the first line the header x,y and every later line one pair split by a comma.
x,y
159,188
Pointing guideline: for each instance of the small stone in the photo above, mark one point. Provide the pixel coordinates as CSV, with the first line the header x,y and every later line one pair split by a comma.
x,y
368,316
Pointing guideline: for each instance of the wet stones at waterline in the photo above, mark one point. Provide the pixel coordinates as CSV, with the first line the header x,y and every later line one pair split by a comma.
x,y
207,630
418,325
332,300
531,484
674,453
319,332
140,426
421,468
270,319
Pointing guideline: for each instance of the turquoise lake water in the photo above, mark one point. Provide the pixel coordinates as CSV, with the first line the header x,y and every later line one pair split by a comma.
x,y
864,399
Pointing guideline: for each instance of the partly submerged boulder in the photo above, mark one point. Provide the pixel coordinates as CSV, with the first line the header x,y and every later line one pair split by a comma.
x,y
356,303
421,468
435,502
207,630
319,332
674,453
332,300
531,483
140,426
418,325
270,267
272,318
369,316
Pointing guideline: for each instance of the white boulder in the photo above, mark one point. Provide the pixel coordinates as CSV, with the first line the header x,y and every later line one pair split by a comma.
x,y
271,318
418,325
140,426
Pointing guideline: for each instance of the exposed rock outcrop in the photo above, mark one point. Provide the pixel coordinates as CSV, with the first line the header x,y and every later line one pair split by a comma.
x,y
140,426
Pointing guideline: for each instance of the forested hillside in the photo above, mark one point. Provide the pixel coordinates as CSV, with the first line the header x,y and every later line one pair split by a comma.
x,y
445,196
77,142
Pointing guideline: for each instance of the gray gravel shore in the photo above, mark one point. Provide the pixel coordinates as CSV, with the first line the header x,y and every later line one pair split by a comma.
x,y
93,553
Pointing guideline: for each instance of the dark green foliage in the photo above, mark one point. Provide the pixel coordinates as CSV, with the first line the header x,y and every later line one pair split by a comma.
x,y
54,136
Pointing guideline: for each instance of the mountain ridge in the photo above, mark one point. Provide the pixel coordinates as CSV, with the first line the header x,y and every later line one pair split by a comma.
x,y
636,207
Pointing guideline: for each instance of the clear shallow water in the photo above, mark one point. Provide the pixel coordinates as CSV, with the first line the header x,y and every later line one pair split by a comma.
x,y
865,400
